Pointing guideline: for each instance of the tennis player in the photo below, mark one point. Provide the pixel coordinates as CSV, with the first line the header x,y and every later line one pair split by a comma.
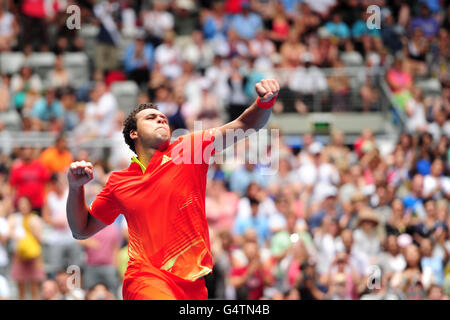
x,y
162,196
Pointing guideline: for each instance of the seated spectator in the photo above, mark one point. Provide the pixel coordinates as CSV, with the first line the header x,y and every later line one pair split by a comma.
x,y
280,28
47,113
415,110
440,126
62,249
70,289
400,81
8,31
59,76
426,22
413,201
156,22
214,22
409,281
50,290
391,33
220,205
417,52
370,96
168,56
26,87
28,178
337,27
100,292
246,23
138,60
308,283
366,238
322,7
425,227
291,50
250,280
198,52
185,17
308,79
70,106
103,109
358,261
360,27
57,158
327,242
432,266
339,84
391,260
261,46
436,184
343,280
255,221
100,264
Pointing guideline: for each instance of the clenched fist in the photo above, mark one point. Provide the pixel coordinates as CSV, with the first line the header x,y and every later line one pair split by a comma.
x,y
267,89
80,173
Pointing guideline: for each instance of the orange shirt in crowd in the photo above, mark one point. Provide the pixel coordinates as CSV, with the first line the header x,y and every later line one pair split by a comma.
x,y
56,161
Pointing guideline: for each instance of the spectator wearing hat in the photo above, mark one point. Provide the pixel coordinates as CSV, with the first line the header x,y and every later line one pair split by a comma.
x,y
365,236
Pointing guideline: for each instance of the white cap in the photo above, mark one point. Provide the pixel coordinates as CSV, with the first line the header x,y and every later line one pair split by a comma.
x,y
315,148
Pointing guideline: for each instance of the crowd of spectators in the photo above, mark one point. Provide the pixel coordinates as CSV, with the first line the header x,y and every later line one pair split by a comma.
x,y
336,221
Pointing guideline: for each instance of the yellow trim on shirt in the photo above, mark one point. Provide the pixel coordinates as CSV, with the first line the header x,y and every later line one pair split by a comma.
x,y
136,160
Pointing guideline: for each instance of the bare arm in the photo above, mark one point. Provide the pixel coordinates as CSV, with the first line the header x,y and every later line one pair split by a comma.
x,y
82,224
253,117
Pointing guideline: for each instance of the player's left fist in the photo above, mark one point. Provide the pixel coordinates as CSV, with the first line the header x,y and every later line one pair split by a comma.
x,y
267,89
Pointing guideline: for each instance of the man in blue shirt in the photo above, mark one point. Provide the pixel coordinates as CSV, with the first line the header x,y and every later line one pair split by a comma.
x,y
255,221
426,22
337,27
138,60
247,23
47,112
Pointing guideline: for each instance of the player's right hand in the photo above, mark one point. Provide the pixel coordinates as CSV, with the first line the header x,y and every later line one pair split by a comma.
x,y
80,173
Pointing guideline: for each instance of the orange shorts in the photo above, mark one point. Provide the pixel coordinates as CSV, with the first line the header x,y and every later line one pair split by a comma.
x,y
149,284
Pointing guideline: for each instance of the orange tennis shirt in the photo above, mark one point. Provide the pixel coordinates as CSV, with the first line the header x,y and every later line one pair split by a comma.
x,y
164,205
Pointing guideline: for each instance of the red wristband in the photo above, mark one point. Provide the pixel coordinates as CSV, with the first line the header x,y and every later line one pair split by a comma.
x,y
266,104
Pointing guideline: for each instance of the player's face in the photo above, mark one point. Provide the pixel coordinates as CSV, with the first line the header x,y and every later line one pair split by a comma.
x,y
152,129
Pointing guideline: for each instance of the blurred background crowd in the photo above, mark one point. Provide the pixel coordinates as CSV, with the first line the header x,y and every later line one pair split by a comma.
x,y
342,218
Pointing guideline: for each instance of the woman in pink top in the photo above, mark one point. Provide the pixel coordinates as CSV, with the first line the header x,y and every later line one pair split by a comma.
x,y
398,78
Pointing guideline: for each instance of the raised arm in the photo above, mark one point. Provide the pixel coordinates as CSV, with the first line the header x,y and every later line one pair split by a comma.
x,y
81,222
254,117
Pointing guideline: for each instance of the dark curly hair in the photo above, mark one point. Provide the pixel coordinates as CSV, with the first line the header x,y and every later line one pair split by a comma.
x,y
130,123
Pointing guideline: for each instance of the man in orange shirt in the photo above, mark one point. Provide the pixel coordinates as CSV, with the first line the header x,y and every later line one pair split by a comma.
x,y
162,196
57,158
